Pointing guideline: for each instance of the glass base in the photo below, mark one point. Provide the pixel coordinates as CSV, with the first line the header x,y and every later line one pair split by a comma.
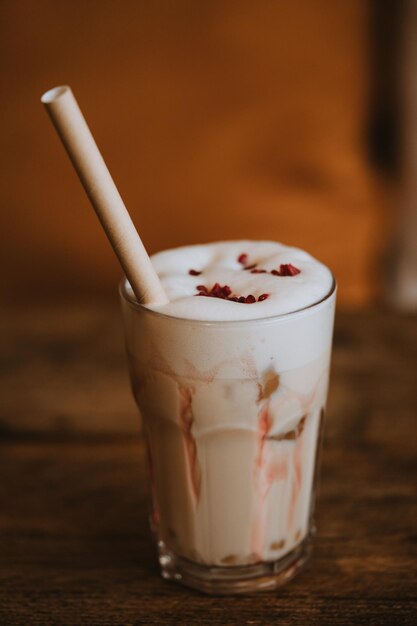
x,y
236,579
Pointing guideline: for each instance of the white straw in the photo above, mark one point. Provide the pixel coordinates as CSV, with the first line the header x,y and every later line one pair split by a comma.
x,y
78,141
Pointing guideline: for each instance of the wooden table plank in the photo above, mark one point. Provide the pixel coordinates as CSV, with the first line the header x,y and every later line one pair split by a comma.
x,y
74,542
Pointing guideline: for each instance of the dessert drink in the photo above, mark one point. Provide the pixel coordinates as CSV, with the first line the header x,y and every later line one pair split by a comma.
x,y
231,380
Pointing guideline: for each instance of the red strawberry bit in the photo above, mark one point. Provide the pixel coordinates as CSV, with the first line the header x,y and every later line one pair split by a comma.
x,y
225,293
194,272
217,291
258,271
243,260
264,296
289,270
286,269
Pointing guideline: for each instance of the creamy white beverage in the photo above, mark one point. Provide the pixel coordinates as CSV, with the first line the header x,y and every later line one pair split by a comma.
x,y
231,380
248,268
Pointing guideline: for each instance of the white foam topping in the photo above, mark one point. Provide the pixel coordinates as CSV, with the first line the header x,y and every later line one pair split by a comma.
x,y
218,263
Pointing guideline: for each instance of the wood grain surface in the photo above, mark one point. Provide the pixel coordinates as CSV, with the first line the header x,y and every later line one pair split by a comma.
x,y
74,542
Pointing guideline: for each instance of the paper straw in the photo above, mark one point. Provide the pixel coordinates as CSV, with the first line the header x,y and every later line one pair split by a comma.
x,y
79,143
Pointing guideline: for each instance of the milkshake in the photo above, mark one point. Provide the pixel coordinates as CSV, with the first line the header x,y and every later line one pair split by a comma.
x,y
231,378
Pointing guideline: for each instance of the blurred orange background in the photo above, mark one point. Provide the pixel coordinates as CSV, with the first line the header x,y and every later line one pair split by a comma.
x,y
217,120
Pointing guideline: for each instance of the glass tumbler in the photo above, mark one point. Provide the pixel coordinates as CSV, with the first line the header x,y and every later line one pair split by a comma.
x,y
232,414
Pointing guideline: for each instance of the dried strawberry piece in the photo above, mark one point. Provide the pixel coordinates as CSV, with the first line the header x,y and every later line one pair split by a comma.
x,y
217,291
225,293
258,272
194,272
264,296
286,269
243,260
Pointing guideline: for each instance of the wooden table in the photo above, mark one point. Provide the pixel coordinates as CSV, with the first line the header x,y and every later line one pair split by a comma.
x,y
74,541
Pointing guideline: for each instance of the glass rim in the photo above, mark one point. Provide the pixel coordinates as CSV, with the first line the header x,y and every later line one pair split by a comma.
x,y
132,301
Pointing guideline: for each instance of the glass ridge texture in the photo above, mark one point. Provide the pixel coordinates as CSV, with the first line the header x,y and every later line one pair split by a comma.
x,y
232,414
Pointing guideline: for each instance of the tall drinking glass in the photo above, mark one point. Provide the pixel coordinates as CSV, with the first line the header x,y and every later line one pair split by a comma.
x,y
232,413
